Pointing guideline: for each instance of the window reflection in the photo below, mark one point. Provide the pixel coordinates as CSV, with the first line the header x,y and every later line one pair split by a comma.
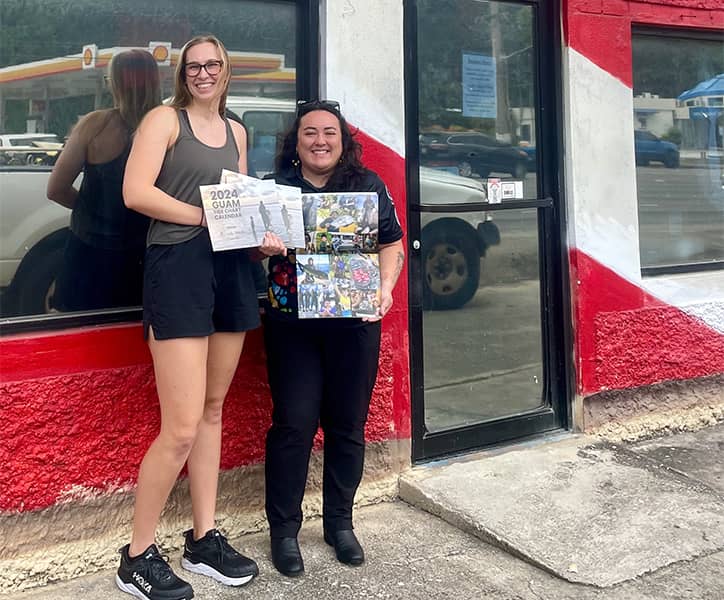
x,y
483,360
477,93
679,121
482,349
58,74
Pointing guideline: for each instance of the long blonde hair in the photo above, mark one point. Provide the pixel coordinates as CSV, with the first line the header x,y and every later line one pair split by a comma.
x,y
135,85
182,97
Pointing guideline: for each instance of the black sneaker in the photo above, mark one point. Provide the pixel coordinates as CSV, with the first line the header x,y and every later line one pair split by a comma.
x,y
150,577
213,556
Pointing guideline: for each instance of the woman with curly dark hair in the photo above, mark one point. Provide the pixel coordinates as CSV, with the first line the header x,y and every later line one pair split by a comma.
x,y
321,371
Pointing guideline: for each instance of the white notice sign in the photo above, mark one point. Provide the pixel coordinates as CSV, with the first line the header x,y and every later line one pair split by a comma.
x,y
479,86
495,192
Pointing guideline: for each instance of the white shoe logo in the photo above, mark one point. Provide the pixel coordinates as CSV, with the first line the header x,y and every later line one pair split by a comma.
x,y
142,582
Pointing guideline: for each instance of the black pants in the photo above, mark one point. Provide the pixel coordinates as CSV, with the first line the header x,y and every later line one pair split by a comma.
x,y
320,373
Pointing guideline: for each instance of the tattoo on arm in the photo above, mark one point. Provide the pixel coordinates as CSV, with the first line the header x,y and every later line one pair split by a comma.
x,y
392,275
398,264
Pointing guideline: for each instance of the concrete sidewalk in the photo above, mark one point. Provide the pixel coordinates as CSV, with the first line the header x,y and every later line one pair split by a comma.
x,y
571,518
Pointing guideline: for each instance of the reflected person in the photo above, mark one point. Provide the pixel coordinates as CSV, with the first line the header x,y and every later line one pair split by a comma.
x,y
103,257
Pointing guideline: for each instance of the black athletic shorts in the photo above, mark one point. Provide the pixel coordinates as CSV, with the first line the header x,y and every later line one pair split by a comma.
x,y
191,291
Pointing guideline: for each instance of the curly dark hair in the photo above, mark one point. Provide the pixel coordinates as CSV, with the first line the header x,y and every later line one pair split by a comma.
x,y
348,173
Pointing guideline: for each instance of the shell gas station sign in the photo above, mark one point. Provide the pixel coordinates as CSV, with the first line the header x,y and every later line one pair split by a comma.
x,y
161,51
88,56
253,73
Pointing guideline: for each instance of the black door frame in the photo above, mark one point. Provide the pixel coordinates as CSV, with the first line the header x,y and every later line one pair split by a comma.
x,y
555,323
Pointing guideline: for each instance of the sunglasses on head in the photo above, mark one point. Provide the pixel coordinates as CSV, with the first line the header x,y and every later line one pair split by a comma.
x,y
305,106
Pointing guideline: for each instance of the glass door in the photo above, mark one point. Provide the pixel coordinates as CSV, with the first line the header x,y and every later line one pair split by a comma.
x,y
486,309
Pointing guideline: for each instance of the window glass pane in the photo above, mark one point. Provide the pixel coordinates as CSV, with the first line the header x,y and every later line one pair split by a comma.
x,y
477,89
482,336
53,62
263,127
679,120
484,359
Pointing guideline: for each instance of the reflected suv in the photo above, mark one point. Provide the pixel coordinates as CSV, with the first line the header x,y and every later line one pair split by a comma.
x,y
650,148
471,152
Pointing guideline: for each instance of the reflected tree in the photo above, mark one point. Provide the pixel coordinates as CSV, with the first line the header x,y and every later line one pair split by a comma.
x,y
446,29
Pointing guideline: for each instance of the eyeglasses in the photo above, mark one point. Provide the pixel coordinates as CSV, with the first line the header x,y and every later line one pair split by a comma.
x,y
305,106
213,67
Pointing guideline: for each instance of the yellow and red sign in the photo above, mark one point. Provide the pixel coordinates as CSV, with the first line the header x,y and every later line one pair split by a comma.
x,y
161,51
88,56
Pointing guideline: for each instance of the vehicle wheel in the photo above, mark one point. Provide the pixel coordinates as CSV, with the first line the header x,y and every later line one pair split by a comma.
x,y
34,282
450,264
671,160
520,170
465,169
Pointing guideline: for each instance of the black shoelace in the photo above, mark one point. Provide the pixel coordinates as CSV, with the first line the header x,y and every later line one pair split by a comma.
x,y
224,547
158,567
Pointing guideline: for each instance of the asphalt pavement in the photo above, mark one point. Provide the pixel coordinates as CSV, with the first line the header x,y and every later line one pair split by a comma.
x,y
569,517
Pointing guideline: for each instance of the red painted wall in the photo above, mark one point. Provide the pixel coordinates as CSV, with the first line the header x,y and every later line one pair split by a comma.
x,y
79,407
624,337
627,338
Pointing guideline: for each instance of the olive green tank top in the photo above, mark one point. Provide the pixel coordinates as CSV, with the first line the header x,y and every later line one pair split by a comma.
x,y
188,164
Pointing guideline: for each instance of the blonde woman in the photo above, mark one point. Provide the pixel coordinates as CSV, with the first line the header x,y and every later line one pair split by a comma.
x,y
103,259
197,306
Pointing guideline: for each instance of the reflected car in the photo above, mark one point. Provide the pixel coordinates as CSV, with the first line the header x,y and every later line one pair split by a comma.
x,y
29,148
531,153
34,230
453,246
650,148
33,234
471,153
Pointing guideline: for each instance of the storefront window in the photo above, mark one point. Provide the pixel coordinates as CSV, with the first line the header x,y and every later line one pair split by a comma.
x,y
678,87
53,67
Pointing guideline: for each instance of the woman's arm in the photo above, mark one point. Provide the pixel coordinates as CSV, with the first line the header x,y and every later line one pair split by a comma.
x,y
154,136
70,163
392,258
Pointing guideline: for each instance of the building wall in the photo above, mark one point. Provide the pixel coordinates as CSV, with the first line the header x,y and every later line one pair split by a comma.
x,y
629,331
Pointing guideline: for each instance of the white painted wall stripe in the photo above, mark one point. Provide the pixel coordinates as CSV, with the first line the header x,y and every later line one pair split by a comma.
x,y
599,165
600,175
363,66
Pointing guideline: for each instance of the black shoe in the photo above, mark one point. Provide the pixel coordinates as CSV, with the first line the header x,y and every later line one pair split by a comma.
x,y
346,546
286,556
150,577
213,556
